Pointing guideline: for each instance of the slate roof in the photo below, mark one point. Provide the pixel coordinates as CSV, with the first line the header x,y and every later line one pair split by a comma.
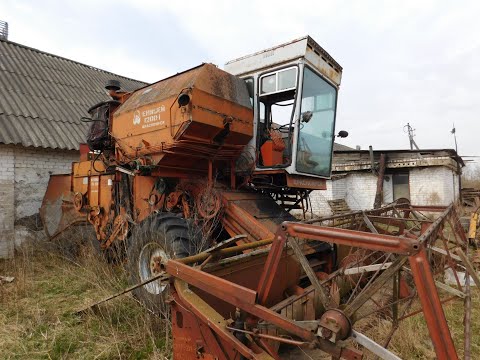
x,y
43,96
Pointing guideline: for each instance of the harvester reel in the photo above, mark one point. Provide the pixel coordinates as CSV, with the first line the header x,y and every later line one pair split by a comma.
x,y
370,278
331,286
356,258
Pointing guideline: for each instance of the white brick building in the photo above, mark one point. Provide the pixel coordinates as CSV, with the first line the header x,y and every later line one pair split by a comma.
x,y
24,177
431,178
42,97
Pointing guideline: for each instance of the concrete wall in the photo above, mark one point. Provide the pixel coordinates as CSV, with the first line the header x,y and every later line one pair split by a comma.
x,y
24,175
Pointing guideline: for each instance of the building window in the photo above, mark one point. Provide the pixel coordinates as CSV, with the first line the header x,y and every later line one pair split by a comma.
x,y
401,188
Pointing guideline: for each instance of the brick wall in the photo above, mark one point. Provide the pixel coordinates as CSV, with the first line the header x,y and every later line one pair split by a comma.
x,y
24,174
361,190
358,189
319,198
428,186
433,186
7,211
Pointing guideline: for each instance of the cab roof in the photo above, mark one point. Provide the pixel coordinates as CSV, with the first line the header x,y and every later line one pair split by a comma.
x,y
304,47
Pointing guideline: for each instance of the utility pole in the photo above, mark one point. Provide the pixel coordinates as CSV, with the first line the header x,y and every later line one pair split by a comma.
x,y
408,129
459,169
455,137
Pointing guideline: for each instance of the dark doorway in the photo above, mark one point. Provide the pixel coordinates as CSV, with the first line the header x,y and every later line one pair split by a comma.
x,y
401,186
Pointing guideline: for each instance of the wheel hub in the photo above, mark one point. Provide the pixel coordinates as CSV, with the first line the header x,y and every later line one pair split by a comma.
x,y
149,265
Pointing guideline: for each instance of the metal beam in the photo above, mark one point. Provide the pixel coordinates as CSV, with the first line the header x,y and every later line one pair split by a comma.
x,y
432,307
218,287
366,268
450,289
369,223
471,270
444,252
365,240
375,348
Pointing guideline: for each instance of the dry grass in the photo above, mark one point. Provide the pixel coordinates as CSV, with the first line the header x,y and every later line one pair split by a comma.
x,y
37,319
37,311
411,340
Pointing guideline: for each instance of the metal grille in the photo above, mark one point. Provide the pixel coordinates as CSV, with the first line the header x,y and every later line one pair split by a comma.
x,y
3,30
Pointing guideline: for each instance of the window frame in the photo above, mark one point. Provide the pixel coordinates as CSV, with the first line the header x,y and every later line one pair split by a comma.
x,y
296,98
300,94
276,72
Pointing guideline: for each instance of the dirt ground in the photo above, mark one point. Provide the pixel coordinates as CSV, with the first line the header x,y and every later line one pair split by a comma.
x,y
38,321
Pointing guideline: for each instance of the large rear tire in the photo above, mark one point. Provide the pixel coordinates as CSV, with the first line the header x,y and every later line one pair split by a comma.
x,y
161,235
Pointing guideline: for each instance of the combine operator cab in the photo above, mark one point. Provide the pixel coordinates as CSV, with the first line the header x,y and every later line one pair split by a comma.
x,y
293,90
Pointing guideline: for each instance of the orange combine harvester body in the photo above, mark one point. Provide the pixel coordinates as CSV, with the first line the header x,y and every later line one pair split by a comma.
x,y
191,182
208,131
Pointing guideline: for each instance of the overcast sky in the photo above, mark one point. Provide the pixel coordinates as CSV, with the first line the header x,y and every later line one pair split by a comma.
x,y
404,61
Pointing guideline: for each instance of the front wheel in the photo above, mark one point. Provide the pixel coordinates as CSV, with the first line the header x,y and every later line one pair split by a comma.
x,y
162,235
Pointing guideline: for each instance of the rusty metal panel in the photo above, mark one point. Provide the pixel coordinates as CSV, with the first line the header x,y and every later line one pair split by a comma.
x,y
256,215
303,182
146,198
43,96
57,211
217,111
216,286
205,77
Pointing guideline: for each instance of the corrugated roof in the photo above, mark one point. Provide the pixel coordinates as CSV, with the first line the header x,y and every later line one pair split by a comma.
x,y
43,96
340,147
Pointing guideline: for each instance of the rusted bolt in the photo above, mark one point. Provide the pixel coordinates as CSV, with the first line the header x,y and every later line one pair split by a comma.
x,y
156,265
326,333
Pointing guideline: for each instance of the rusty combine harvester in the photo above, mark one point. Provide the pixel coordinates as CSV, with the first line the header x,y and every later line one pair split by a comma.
x,y
194,178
